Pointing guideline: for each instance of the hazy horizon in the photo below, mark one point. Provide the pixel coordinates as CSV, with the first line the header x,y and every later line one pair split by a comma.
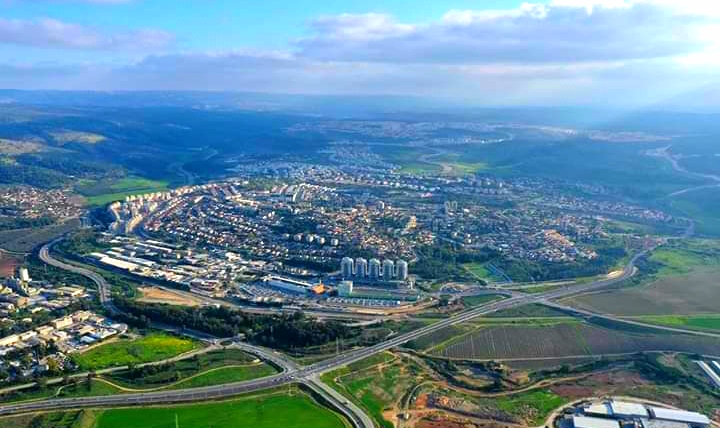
x,y
635,54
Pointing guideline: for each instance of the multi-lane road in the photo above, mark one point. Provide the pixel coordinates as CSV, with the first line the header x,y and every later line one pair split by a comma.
x,y
308,375
102,285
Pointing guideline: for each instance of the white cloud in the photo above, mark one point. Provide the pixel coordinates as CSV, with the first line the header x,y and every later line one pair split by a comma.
x,y
53,33
561,31
590,52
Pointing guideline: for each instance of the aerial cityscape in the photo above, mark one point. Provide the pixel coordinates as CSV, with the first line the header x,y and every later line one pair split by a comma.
x,y
396,214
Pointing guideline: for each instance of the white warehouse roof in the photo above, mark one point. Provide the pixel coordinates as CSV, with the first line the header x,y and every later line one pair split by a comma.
x,y
587,422
598,409
623,408
679,416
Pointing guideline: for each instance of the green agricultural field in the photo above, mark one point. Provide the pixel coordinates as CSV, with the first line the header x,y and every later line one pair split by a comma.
x,y
699,322
685,283
681,257
262,411
681,294
153,347
103,192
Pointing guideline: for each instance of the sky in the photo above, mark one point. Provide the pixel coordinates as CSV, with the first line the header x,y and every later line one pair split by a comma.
x,y
636,53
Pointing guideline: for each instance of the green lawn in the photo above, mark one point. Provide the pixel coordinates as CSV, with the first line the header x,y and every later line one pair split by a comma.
x,y
101,193
269,411
227,375
153,347
181,370
479,270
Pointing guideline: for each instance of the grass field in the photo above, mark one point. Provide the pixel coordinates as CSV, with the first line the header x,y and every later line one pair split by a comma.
x,y
537,404
699,322
184,369
701,206
104,192
193,372
153,347
226,375
81,389
479,270
268,410
263,411
480,300
376,383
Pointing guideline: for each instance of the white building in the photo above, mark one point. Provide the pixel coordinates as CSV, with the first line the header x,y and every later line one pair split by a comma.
x,y
374,269
388,270
361,267
345,288
347,267
402,270
24,275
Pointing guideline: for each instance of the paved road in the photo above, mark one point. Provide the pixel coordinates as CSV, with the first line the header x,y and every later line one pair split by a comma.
x,y
309,374
102,285
353,413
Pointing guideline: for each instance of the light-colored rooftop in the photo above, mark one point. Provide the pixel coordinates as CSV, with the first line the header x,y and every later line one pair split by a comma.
x,y
679,416
588,422
623,408
598,409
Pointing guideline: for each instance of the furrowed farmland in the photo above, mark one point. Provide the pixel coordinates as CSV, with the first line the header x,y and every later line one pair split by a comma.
x,y
684,282
566,340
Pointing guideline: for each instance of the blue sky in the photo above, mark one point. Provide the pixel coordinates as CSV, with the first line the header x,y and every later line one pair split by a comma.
x,y
225,24
557,52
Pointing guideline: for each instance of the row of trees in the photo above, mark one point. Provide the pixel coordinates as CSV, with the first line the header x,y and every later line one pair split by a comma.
x,y
288,332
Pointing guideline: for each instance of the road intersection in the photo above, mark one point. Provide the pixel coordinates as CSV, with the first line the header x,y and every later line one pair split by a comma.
x,y
292,373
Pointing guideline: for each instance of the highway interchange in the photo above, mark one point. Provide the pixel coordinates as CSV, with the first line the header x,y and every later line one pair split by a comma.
x,y
292,373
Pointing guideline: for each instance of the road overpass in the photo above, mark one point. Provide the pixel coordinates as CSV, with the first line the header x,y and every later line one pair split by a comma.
x,y
306,375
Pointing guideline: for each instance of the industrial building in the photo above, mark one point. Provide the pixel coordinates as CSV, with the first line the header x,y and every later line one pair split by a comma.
x,y
292,285
345,288
617,414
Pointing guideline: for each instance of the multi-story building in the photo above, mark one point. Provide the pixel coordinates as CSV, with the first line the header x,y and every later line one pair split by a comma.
x,y
388,270
402,270
346,267
361,267
374,269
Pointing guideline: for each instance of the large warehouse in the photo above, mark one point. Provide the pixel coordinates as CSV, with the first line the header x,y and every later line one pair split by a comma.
x,y
624,414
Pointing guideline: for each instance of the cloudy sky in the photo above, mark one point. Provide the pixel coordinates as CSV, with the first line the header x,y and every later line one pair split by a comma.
x,y
480,52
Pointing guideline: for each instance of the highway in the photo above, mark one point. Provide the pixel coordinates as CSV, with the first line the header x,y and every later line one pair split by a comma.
x,y
308,375
102,285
